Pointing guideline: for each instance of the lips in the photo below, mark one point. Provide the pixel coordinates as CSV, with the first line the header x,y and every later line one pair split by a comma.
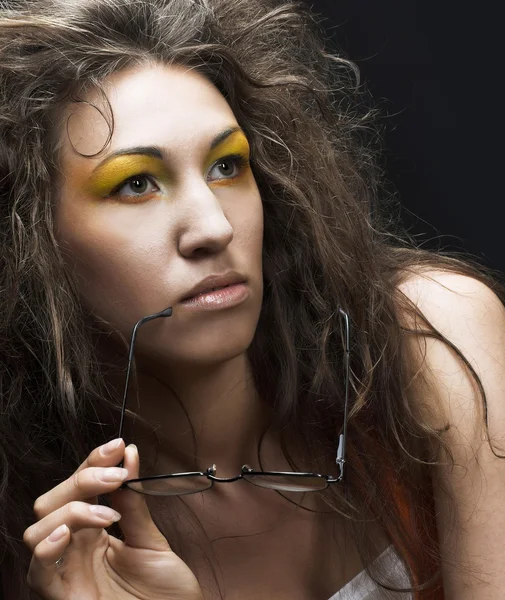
x,y
214,289
213,283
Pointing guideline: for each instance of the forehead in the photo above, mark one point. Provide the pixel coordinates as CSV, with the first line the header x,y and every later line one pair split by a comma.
x,y
161,105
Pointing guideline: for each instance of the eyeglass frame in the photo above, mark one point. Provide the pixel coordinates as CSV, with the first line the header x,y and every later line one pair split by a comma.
x,y
246,470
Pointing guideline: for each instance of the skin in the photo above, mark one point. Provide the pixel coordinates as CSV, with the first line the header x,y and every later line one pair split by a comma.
x,y
97,565
135,254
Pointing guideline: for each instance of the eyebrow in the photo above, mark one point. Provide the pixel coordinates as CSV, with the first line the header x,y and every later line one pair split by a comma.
x,y
157,152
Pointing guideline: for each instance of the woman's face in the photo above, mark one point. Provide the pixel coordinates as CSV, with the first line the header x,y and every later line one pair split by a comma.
x,y
160,209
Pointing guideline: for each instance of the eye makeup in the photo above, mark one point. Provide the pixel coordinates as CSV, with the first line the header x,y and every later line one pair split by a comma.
x,y
236,144
235,149
118,170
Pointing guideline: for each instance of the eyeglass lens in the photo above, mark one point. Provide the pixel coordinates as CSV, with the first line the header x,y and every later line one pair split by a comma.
x,y
191,484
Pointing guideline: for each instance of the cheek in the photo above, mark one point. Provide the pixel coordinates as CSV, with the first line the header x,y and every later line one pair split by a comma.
x,y
247,222
111,262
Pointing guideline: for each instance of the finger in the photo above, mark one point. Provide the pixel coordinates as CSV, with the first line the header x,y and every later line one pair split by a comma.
x,y
43,576
136,523
104,456
82,485
76,515
108,451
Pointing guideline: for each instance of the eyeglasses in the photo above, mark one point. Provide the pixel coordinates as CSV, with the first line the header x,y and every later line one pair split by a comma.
x,y
178,484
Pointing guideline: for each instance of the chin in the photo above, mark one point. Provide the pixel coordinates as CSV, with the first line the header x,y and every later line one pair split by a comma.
x,y
210,339
210,351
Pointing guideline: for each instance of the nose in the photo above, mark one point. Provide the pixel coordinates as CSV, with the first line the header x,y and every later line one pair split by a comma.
x,y
204,227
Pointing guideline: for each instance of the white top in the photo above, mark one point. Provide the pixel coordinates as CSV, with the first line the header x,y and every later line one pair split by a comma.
x,y
363,588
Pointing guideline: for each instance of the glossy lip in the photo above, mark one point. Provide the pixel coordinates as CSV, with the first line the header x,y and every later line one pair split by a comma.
x,y
224,297
214,281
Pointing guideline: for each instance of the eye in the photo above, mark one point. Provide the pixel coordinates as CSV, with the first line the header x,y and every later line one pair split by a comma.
x,y
230,167
135,187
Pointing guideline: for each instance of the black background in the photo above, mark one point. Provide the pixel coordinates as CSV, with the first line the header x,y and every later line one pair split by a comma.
x,y
436,70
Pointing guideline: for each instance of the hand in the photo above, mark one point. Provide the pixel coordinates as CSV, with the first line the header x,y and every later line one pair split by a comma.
x,y
95,564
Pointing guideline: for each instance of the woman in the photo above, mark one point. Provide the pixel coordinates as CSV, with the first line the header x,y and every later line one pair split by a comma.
x,y
153,153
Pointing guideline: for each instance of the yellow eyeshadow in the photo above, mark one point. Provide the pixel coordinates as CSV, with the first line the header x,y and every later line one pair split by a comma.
x,y
106,178
119,169
236,143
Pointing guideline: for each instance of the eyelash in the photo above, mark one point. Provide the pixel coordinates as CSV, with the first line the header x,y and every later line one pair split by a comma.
x,y
238,160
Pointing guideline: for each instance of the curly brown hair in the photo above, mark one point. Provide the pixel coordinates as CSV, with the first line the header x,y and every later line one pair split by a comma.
x,y
326,245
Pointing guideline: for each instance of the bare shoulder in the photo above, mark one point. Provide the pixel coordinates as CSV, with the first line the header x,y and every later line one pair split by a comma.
x,y
471,317
469,496
449,298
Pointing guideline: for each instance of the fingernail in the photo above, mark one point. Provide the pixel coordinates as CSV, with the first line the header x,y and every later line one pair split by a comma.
x,y
104,512
113,474
133,447
109,447
58,533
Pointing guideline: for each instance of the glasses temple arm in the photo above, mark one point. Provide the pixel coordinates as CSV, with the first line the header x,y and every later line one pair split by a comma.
x,y
164,313
342,438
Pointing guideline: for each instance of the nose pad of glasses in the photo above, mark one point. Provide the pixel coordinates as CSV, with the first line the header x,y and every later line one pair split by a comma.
x,y
211,470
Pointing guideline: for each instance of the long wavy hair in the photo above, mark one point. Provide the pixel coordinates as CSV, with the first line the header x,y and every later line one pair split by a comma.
x,y
326,245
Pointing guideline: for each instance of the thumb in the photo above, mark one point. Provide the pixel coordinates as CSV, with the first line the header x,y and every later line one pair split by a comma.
x,y
136,522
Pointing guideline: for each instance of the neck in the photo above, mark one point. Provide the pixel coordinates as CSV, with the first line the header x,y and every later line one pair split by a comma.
x,y
200,415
